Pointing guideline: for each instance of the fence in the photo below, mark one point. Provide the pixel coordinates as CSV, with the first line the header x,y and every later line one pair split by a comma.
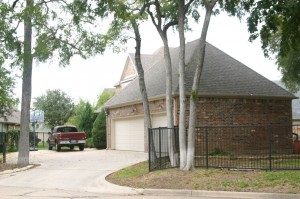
x,y
273,147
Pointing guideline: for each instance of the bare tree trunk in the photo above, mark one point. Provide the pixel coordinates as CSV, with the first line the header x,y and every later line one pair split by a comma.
x,y
195,87
182,96
142,86
169,102
23,156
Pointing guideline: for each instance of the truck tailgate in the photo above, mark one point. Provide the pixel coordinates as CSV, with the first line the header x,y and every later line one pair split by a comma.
x,y
73,135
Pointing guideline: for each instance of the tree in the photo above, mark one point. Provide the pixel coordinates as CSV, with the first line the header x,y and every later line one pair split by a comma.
x,y
52,29
233,8
279,34
289,67
7,100
182,92
163,12
126,16
57,106
99,131
86,120
78,110
104,97
99,126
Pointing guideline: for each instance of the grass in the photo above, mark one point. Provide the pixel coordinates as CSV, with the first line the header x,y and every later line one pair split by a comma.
x,y
208,179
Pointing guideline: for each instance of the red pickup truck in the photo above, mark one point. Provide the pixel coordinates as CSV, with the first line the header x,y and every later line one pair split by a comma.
x,y
66,136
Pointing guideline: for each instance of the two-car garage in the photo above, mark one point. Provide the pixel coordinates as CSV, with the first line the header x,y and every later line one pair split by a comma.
x,y
128,133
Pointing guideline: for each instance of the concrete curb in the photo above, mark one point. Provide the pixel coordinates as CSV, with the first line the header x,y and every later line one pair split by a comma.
x,y
216,194
17,170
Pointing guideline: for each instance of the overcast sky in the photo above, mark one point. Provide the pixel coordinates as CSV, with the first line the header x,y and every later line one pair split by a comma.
x,y
86,79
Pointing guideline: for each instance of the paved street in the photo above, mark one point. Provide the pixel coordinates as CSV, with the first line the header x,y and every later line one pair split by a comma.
x,y
81,174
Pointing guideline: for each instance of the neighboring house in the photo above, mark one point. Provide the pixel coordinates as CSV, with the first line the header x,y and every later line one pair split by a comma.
x,y
10,122
41,131
230,93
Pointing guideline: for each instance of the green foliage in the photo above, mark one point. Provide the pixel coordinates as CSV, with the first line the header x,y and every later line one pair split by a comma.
x,y
99,131
57,107
194,95
86,120
7,100
275,16
218,152
289,67
75,118
89,143
61,29
104,97
13,138
279,35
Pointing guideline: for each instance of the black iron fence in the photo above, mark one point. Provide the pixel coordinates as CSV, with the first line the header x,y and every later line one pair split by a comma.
x,y
273,147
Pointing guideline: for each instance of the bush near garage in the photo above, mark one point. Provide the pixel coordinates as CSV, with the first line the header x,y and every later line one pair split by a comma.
x,y
99,131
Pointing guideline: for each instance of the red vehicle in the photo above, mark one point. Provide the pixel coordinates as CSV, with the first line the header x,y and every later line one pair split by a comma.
x,y
66,136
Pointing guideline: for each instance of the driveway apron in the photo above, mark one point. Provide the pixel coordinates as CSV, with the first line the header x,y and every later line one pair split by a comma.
x,y
73,170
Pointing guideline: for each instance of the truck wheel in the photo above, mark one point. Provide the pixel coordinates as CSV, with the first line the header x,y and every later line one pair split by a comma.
x,y
71,147
81,147
58,148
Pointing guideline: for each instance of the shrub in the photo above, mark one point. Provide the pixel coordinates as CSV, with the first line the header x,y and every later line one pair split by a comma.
x,y
99,131
89,143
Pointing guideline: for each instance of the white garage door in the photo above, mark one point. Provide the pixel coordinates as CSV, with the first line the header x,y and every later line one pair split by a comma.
x,y
129,133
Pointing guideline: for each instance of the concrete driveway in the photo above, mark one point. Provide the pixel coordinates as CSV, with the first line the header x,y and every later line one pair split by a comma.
x,y
81,174
82,171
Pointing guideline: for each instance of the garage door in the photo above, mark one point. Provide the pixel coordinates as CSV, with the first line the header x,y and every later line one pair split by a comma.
x,y
129,133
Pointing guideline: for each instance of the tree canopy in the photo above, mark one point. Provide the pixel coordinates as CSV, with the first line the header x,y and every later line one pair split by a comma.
x,y
57,106
86,119
279,34
7,100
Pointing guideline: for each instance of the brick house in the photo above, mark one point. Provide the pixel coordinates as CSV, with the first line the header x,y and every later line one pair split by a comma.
x,y
230,93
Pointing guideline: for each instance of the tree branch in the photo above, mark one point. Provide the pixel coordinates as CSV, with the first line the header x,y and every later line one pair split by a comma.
x,y
168,25
186,7
14,3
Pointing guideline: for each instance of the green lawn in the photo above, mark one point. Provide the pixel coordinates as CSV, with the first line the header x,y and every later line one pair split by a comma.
x,y
208,179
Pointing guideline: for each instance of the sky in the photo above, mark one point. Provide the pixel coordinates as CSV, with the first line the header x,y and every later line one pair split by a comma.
x,y
86,79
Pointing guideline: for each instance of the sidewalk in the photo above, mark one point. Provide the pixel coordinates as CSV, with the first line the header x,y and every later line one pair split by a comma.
x,y
217,194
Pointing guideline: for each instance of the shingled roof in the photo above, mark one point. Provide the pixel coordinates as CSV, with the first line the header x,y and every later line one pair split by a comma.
x,y
222,75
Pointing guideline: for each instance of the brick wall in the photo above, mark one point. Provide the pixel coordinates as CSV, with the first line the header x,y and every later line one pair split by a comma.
x,y
221,111
254,112
230,111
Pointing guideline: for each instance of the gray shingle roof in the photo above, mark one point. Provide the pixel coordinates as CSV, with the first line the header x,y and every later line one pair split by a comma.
x,y
222,75
14,118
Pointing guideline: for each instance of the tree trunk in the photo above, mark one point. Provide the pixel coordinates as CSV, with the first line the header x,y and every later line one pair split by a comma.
x,y
23,156
194,93
169,102
142,86
182,96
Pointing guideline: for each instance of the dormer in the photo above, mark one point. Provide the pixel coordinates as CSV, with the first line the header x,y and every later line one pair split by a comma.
x,y
130,73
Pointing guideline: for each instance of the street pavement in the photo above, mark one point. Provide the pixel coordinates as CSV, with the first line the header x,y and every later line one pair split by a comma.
x,y
81,174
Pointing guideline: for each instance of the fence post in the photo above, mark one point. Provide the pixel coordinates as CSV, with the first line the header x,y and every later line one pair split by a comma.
x,y
159,146
206,147
149,149
270,147
4,152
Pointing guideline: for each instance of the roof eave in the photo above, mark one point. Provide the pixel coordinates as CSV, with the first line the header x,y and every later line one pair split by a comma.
x,y
206,95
